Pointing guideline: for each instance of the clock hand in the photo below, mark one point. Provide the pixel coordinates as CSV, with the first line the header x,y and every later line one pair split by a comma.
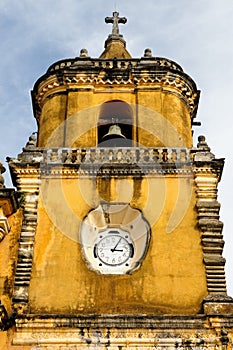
x,y
114,249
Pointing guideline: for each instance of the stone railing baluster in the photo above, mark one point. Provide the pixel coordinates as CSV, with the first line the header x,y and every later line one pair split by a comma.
x,y
87,158
119,155
169,155
160,155
97,155
68,156
173,155
151,155
178,155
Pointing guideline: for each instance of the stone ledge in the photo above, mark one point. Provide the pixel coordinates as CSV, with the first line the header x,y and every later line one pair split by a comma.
x,y
218,305
117,321
116,332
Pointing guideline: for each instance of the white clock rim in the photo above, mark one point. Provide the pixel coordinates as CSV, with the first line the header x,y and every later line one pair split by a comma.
x,y
127,240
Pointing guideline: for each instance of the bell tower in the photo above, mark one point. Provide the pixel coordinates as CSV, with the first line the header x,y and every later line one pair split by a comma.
x,y
121,242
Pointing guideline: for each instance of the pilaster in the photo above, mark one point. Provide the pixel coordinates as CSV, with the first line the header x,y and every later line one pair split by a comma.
x,y
207,173
26,177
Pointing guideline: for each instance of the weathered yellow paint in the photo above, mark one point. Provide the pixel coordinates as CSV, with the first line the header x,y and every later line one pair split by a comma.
x,y
51,126
163,120
172,277
160,118
6,341
115,48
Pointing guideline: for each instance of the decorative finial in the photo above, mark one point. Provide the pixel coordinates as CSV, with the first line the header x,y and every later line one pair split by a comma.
x,y
202,144
32,141
115,20
203,153
83,53
147,53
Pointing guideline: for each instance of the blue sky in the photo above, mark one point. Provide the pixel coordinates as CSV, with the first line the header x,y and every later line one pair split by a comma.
x,y
198,35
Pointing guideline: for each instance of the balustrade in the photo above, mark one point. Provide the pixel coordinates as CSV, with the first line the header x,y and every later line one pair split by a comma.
x,y
116,155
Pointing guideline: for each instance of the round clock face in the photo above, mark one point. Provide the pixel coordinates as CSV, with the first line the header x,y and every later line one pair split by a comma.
x,y
114,239
114,248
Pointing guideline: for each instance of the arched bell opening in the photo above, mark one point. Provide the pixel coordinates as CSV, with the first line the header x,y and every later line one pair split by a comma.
x,y
115,125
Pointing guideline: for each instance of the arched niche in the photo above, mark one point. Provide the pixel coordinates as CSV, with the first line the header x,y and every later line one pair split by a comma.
x,y
115,112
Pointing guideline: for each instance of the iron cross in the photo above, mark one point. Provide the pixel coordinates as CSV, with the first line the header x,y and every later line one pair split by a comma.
x,y
115,20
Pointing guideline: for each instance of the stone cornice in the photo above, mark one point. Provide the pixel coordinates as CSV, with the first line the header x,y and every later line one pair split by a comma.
x,y
210,167
121,321
159,73
113,331
79,62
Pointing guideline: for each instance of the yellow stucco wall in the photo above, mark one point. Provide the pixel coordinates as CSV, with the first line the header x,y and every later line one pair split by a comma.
x,y
172,276
54,114
161,117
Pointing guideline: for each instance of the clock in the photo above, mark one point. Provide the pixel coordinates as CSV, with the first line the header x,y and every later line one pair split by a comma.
x,y
114,247
114,239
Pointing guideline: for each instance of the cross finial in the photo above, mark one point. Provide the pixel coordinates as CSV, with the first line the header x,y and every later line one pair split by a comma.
x,y
115,20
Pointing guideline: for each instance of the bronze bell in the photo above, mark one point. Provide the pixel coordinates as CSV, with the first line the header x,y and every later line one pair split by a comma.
x,y
114,132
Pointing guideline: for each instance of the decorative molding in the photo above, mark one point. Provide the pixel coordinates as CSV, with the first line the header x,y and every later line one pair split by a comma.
x,y
120,332
212,239
168,81
118,161
110,63
207,172
99,155
28,187
157,73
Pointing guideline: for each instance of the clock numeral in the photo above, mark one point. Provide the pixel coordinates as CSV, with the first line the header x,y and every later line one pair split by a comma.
x,y
114,250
